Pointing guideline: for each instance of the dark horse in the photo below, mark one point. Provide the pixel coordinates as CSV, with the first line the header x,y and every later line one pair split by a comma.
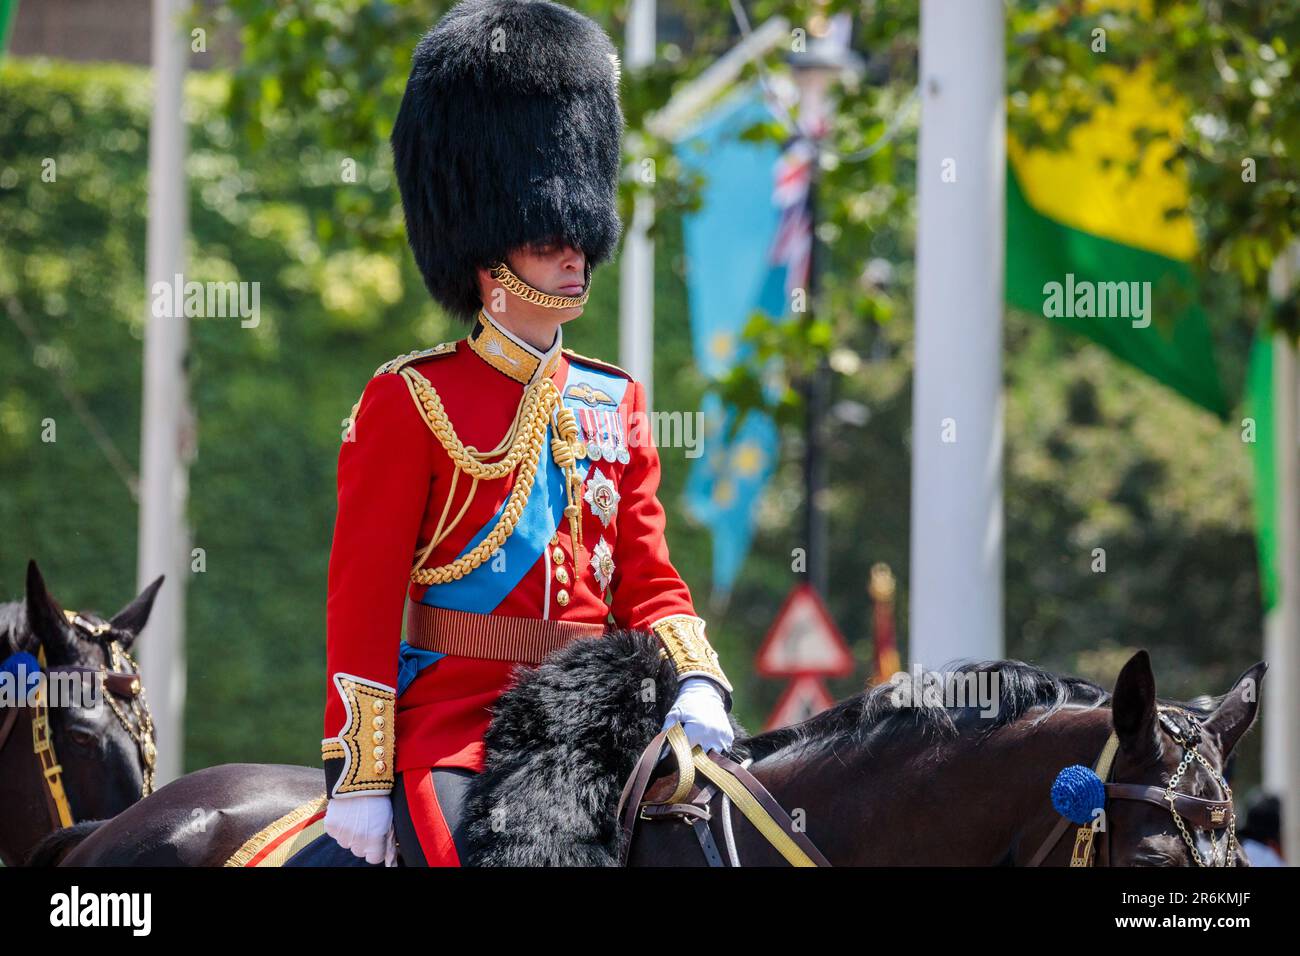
x,y
877,779
101,751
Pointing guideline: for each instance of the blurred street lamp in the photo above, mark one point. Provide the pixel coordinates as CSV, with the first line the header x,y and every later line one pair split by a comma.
x,y
820,60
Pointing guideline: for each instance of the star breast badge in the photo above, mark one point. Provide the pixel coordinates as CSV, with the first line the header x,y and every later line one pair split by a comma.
x,y
602,496
602,564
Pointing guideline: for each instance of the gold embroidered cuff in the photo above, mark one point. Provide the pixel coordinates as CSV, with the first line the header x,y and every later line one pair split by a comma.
x,y
683,638
366,741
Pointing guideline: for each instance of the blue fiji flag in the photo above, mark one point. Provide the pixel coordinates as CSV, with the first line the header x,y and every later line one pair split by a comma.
x,y
746,249
726,482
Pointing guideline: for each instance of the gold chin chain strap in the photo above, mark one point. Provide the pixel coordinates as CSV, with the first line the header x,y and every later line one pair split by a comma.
x,y
517,286
521,445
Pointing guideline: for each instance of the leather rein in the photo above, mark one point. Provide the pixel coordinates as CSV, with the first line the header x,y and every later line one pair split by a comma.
x,y
1200,813
121,685
735,783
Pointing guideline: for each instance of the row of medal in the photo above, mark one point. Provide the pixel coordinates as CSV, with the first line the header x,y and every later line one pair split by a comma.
x,y
602,435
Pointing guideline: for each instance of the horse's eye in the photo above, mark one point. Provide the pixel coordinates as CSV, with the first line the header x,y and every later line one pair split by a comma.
x,y
84,738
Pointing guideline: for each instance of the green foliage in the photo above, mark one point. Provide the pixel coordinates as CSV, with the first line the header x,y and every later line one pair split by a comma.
x,y
1096,455
269,400
1234,64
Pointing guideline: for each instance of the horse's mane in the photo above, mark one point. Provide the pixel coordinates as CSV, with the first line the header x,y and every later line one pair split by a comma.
x,y
874,713
566,734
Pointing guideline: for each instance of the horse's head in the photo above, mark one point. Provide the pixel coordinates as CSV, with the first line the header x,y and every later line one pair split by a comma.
x,y
1167,801
93,712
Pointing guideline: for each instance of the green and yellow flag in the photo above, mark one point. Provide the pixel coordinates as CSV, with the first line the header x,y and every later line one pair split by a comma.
x,y
1259,406
1093,241
8,11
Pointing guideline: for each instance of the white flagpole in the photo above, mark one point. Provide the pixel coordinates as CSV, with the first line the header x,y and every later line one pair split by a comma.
x,y
956,558
1282,626
164,480
636,274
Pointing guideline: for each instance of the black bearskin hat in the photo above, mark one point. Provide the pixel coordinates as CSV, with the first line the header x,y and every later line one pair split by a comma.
x,y
508,134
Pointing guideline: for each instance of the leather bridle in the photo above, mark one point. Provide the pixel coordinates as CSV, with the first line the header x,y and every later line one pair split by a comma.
x,y
723,775
125,697
1187,810
1200,813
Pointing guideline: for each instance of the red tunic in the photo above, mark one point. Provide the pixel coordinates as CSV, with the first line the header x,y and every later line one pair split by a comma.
x,y
393,479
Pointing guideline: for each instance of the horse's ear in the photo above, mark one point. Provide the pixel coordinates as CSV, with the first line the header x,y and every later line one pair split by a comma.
x,y
1133,706
45,618
21,636
1237,710
135,615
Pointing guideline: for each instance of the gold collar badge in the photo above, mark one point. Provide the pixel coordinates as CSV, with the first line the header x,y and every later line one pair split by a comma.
x,y
510,355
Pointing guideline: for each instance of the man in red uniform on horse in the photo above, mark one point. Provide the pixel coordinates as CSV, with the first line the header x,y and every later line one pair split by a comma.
x,y
500,488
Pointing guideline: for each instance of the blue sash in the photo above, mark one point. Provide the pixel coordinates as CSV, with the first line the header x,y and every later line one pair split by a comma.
x,y
485,587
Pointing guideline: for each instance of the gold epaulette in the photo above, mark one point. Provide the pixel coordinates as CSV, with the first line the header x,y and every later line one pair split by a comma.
x,y
599,363
396,365
401,361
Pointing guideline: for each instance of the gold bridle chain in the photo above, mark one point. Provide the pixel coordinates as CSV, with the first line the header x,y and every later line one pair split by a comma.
x,y
526,435
1229,838
517,286
141,729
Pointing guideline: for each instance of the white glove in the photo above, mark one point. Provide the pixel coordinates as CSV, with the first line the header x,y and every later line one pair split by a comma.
x,y
364,825
702,712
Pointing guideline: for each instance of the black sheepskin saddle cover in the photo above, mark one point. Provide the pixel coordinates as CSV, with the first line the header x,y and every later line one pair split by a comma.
x,y
562,742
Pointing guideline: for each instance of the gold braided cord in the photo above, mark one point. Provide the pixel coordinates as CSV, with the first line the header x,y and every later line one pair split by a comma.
x,y
457,569
441,532
443,529
524,438
517,286
564,451
535,407
521,445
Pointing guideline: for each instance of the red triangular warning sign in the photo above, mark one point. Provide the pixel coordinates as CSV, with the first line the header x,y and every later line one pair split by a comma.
x,y
804,640
804,697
